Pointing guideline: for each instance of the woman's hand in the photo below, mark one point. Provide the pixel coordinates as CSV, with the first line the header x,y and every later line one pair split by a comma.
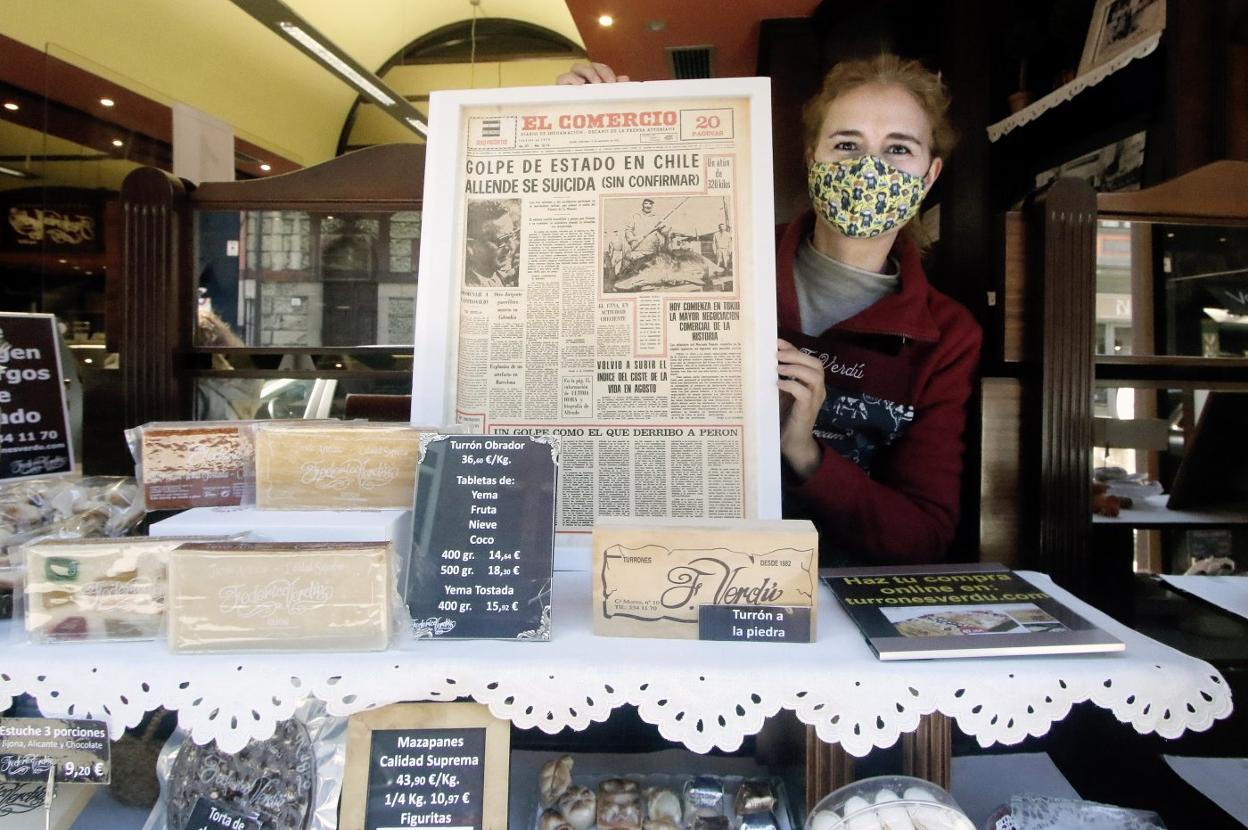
x,y
589,73
801,395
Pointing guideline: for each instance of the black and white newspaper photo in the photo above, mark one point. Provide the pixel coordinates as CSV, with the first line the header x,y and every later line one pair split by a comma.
x,y
609,279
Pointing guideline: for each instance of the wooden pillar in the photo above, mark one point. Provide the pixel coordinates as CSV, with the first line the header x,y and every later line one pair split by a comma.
x,y
157,300
1064,228
927,752
828,767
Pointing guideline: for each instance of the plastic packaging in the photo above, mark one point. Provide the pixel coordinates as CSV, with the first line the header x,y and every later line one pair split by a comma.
x,y
1135,486
275,596
352,465
182,464
1040,812
888,802
12,586
97,589
65,508
656,801
290,781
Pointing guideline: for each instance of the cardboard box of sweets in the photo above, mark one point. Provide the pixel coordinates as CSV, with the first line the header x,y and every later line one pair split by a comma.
x,y
280,596
651,576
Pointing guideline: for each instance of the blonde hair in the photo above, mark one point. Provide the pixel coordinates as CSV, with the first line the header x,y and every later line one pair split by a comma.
x,y
926,87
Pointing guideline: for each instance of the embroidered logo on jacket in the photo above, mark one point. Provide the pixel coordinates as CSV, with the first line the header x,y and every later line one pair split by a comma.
x,y
833,364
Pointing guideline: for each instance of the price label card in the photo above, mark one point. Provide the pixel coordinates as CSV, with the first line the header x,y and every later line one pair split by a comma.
x,y
483,537
426,765
755,623
34,421
426,778
78,749
209,815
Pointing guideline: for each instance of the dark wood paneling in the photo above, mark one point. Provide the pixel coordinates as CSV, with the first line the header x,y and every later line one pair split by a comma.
x,y
788,53
1194,51
157,305
1214,192
927,752
1237,102
963,263
828,767
1063,222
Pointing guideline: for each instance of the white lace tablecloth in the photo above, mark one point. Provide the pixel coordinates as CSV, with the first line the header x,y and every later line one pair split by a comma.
x,y
702,694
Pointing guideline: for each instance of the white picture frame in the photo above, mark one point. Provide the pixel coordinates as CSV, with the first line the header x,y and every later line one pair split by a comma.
x,y
1119,26
442,253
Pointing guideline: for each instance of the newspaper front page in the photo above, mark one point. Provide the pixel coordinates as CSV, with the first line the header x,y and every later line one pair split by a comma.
x,y
604,265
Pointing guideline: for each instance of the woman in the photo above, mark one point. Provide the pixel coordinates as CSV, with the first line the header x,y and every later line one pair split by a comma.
x,y
874,365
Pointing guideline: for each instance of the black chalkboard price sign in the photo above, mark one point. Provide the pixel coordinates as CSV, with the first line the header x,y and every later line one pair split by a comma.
x,y
34,422
420,778
484,535
426,765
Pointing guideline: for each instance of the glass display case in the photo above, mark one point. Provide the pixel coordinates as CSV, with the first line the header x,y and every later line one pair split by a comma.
x,y
295,291
273,286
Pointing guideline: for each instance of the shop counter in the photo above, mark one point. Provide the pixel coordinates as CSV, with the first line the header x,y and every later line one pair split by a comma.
x,y
704,695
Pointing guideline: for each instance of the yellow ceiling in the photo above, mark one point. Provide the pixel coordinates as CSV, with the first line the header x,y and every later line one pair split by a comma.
x,y
373,126
92,172
211,55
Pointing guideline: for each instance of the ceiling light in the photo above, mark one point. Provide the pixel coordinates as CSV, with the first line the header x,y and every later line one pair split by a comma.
x,y
11,106
339,65
62,261
9,171
605,20
266,167
107,102
117,142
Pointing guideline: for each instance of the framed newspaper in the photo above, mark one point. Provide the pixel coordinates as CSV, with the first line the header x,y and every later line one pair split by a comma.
x,y
598,262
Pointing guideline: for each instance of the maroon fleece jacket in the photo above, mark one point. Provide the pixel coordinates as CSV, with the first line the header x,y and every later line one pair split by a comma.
x,y
913,356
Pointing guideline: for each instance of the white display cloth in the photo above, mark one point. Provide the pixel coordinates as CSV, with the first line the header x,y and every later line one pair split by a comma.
x,y
1229,593
702,694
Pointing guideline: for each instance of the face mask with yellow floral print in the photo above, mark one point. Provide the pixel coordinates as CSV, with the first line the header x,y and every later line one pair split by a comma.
x,y
865,196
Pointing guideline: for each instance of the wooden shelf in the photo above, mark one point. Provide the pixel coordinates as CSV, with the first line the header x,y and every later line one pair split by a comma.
x,y
1069,91
1124,103
398,351
1152,512
1172,372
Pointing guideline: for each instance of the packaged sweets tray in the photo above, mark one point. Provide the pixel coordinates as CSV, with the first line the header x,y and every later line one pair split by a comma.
x,y
687,776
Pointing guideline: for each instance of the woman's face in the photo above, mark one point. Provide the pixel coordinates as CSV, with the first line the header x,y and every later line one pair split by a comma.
x,y
881,120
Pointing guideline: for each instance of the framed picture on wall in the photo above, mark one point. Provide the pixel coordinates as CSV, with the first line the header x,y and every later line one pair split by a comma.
x,y
1114,167
1118,26
604,272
